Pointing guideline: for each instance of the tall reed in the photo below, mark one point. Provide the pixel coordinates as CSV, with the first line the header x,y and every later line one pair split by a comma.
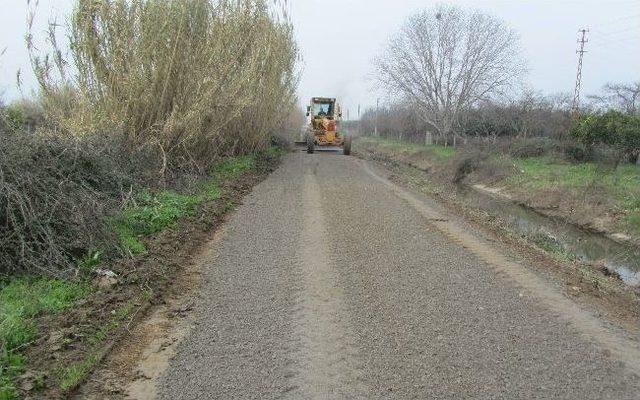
x,y
195,78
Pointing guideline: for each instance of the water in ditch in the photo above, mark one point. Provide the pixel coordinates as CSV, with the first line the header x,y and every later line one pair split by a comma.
x,y
623,259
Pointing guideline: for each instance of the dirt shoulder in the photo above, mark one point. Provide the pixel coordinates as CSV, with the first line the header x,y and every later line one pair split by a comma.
x,y
588,284
133,298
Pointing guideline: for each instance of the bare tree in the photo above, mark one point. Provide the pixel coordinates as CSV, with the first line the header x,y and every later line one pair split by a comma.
x,y
623,97
444,60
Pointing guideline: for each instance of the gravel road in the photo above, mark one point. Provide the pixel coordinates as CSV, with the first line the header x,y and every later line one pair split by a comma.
x,y
333,283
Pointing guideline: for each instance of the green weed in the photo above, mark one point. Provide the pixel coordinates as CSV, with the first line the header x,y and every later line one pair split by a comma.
x,y
541,172
151,214
235,166
11,365
551,245
91,261
275,151
74,374
155,212
440,152
622,184
20,301
208,192
633,221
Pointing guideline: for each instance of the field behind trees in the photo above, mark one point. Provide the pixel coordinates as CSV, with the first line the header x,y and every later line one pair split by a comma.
x,y
583,168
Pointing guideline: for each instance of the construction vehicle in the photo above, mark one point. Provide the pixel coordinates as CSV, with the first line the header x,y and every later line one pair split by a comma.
x,y
323,120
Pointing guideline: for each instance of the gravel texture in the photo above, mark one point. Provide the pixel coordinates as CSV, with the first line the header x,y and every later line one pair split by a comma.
x,y
331,284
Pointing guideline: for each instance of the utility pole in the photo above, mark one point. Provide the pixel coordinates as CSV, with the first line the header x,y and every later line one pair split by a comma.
x,y
576,94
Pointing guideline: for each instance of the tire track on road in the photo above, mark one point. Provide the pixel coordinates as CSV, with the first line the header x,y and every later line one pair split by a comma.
x,y
328,362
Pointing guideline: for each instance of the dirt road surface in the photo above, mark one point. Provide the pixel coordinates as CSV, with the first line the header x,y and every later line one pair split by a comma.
x,y
333,283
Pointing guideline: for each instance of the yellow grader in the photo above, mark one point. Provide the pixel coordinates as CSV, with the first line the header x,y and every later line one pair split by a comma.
x,y
323,117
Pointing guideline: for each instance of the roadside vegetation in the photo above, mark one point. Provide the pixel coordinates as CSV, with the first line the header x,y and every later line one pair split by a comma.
x,y
539,173
619,188
159,107
152,213
411,149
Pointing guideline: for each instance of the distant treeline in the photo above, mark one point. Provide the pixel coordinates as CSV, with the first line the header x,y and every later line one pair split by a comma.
x,y
608,119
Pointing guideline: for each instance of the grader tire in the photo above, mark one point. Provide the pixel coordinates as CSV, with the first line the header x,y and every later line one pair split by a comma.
x,y
311,145
346,150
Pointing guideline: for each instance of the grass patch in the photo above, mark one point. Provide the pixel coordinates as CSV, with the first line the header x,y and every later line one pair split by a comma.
x,y
275,151
235,166
442,153
622,185
633,221
154,212
542,172
20,302
551,245
73,375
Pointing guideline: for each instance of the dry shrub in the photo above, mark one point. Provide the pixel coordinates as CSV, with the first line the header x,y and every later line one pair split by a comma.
x,y
23,114
466,161
576,152
529,147
196,78
521,147
55,197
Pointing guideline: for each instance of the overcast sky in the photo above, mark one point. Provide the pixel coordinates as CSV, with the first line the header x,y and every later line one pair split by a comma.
x,y
339,38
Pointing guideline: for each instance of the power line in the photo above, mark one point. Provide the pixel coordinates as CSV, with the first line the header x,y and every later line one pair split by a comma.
x,y
576,93
614,43
616,20
618,31
616,34
598,41
617,49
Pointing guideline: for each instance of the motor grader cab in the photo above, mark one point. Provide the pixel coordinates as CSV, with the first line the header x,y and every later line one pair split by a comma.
x,y
323,119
